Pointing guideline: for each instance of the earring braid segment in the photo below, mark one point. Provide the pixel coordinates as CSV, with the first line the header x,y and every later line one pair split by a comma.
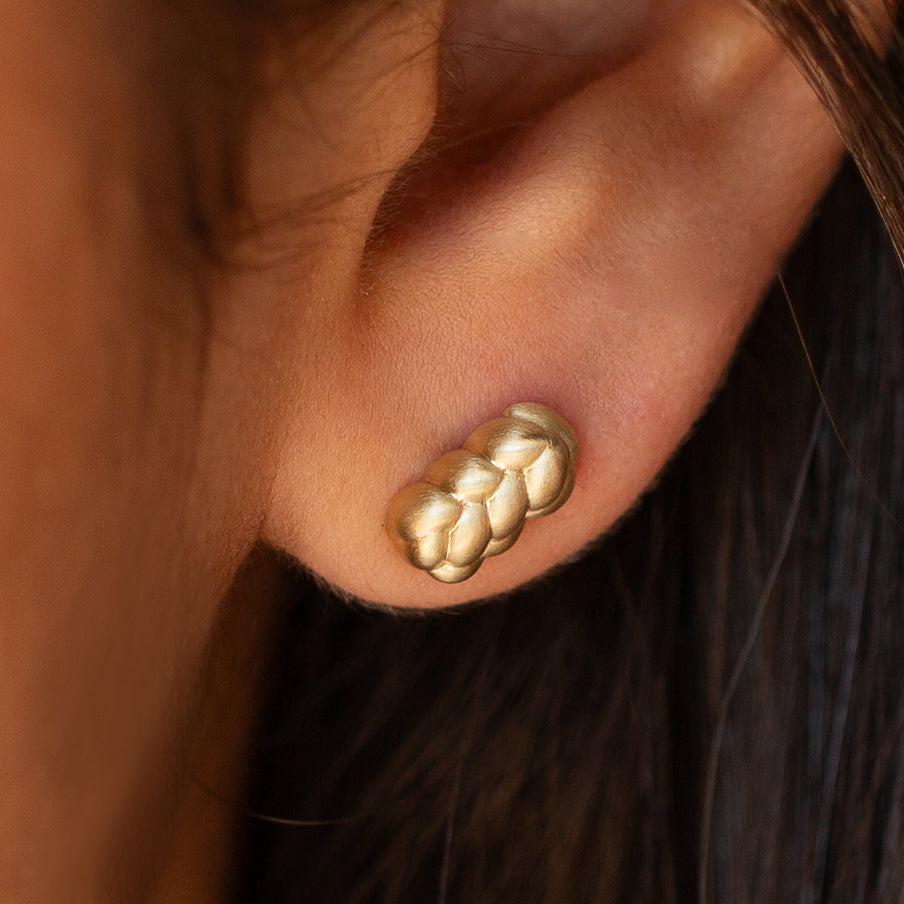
x,y
472,503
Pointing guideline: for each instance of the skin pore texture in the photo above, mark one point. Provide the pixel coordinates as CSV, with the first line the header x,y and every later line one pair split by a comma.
x,y
598,243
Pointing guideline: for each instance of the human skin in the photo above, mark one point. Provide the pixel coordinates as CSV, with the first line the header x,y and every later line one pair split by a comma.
x,y
152,434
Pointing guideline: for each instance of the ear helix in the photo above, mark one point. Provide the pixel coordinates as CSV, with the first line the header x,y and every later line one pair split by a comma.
x,y
472,503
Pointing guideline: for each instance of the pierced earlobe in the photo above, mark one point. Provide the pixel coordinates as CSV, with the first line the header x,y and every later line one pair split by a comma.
x,y
472,503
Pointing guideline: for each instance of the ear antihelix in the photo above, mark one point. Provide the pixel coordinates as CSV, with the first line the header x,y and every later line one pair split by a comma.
x,y
472,503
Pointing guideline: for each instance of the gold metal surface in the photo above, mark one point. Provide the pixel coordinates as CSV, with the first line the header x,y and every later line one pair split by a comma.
x,y
472,502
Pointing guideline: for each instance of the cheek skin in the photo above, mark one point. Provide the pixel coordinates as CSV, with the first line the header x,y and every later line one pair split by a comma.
x,y
115,539
99,422
139,427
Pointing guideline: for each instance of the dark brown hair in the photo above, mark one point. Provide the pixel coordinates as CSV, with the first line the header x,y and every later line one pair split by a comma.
x,y
710,705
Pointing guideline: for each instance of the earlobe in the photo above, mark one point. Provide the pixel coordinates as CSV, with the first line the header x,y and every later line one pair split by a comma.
x,y
604,261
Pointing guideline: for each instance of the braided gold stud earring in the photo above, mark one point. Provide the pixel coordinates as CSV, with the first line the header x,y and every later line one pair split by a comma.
x,y
472,503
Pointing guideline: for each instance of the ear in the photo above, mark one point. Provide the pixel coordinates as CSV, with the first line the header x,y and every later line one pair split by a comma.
x,y
603,257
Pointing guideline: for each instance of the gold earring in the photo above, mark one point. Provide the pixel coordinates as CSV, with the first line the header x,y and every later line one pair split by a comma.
x,y
472,503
